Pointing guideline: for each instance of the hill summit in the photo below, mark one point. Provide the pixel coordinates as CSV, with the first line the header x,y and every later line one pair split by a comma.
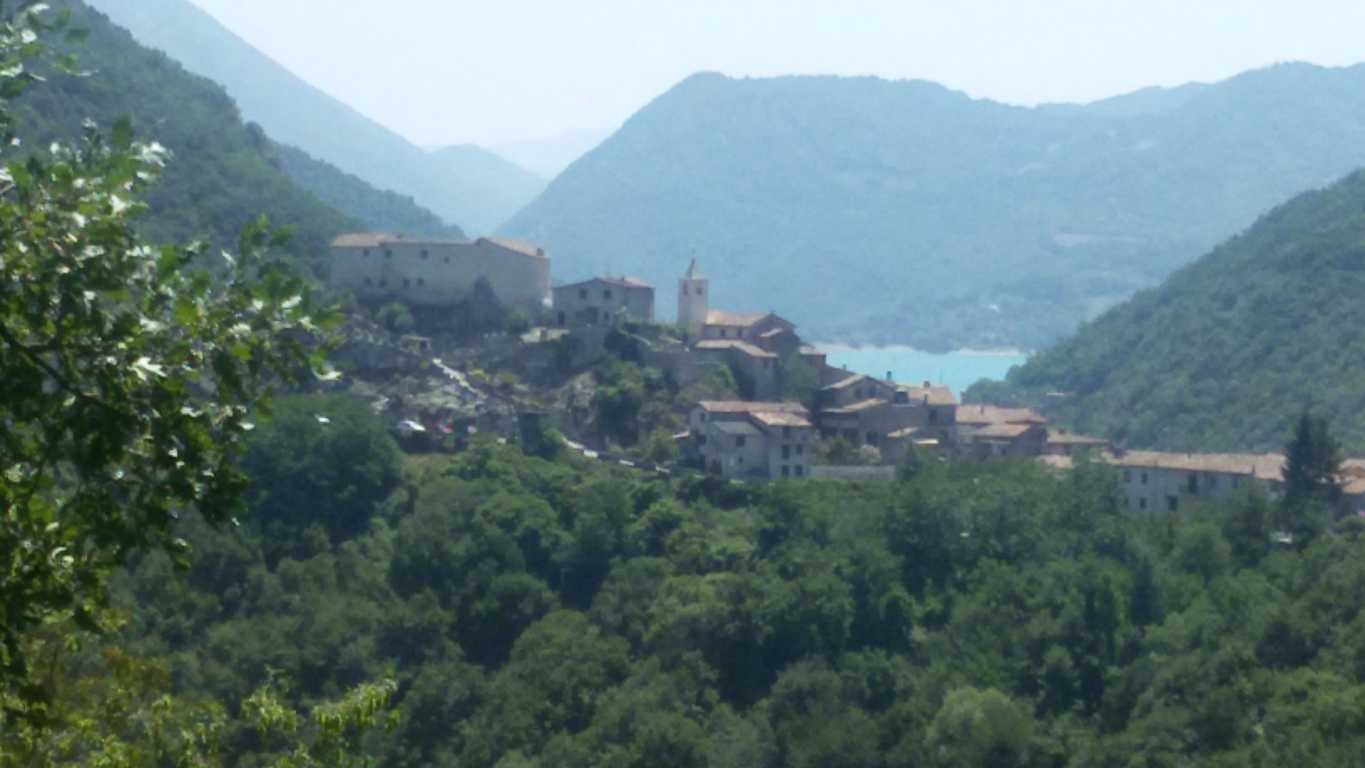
x,y
880,211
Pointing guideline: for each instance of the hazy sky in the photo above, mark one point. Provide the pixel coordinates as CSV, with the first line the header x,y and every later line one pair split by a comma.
x,y
497,71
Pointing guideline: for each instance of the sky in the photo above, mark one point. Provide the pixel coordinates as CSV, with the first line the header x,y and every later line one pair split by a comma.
x,y
498,72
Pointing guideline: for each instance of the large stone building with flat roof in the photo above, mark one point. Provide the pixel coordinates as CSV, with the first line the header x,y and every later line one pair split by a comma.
x,y
380,267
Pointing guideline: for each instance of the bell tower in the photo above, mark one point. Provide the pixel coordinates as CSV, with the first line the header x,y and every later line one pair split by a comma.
x,y
693,300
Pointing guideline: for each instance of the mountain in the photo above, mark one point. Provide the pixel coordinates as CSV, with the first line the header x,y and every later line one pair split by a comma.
x,y
548,157
296,113
376,210
222,173
492,187
878,211
1231,349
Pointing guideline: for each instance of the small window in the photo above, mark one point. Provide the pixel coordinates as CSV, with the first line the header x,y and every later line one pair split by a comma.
x,y
871,438
933,416
1127,475
800,450
365,252
786,471
368,281
425,254
1144,478
786,452
383,282
583,293
421,281
606,294
388,254
446,259
1194,484
1142,503
800,470
1236,482
787,432
407,282
701,291
1172,503
739,441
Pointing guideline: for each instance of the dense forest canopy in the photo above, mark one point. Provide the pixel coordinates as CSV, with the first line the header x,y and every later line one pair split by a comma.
x,y
1230,350
903,212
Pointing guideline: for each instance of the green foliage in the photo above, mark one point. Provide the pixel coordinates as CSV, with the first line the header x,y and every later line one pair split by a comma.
x,y
1312,472
222,177
903,212
396,317
1227,354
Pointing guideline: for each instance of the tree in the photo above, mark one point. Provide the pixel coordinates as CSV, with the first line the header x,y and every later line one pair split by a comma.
x,y
129,372
1312,470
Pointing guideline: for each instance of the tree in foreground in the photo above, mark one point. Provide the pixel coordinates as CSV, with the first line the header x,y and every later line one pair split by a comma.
x,y
128,373
1312,473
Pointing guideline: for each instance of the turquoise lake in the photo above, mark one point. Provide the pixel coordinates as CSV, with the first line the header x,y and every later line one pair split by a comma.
x,y
956,370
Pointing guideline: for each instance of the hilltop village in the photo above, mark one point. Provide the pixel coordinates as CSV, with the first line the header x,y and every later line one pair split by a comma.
x,y
794,415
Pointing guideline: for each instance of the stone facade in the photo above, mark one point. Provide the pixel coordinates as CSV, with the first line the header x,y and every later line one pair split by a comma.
x,y
694,300
604,301
753,440
438,272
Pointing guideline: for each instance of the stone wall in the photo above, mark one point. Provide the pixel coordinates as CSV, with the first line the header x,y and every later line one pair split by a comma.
x,y
439,273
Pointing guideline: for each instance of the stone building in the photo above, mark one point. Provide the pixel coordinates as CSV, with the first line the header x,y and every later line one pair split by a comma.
x,y
755,369
887,415
986,431
378,267
694,299
604,301
1154,481
753,440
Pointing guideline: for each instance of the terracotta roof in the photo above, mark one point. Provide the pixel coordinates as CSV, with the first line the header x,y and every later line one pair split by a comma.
x,y
1001,430
1063,437
994,414
774,333
619,282
812,351
846,383
361,240
933,395
1354,487
1265,466
733,319
750,406
858,407
516,246
741,346
776,419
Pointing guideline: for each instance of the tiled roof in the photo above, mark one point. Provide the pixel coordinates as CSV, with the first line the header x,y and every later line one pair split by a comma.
x,y
516,246
858,407
750,406
735,344
933,395
846,383
777,419
1265,466
994,414
619,282
809,351
1002,431
733,319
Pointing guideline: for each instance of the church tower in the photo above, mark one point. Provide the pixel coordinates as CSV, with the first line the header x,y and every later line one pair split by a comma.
x,y
693,300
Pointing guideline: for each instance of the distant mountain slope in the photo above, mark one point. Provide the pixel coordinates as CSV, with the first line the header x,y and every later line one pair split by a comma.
x,y
494,188
1227,353
377,211
902,211
296,113
221,174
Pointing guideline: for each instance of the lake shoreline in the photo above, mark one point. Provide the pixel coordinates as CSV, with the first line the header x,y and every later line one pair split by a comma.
x,y
833,348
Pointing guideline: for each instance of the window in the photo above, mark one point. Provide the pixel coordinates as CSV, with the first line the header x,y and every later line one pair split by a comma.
x,y
787,432
406,282
1172,503
1142,503
800,471
933,416
425,254
871,438
739,441
1127,475
1236,482
1194,484
583,293
365,252
368,281
1144,478
388,254
606,294
786,452
383,282
786,471
446,259
800,450
421,281
724,332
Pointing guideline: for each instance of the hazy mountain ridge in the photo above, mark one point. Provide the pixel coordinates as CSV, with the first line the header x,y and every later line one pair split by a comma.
x,y
904,211
296,113
222,173
1229,351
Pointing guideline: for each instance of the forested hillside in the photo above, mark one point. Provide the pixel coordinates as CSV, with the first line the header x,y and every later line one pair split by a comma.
x,y
1230,350
871,210
222,176
376,210
540,613
468,192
